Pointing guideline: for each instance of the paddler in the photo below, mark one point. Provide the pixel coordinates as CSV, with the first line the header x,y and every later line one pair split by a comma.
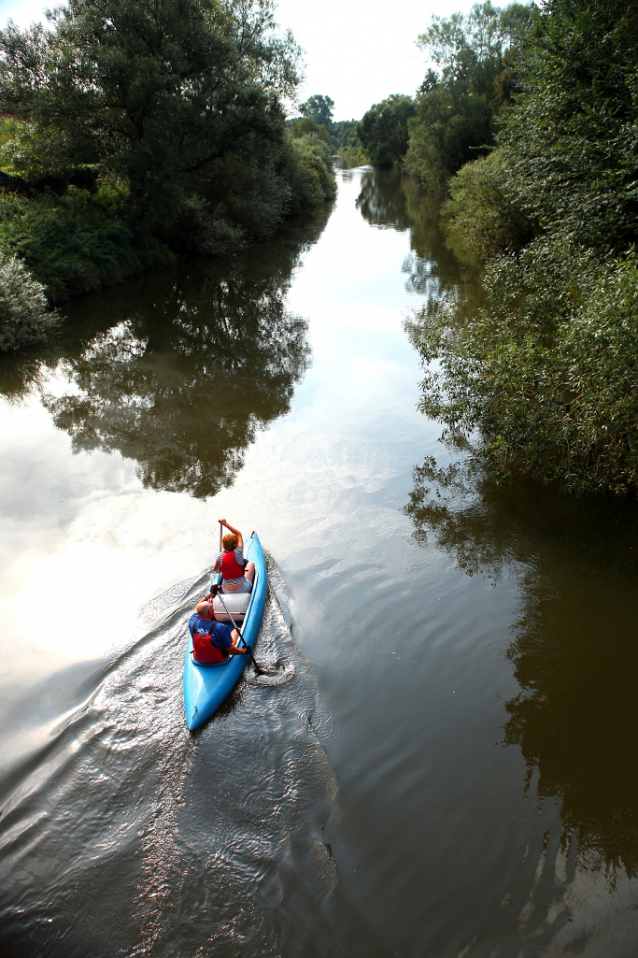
x,y
237,574
213,642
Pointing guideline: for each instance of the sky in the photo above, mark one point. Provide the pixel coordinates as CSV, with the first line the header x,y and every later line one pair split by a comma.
x,y
356,51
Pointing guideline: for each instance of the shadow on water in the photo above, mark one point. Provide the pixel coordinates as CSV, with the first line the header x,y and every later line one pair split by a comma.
x,y
179,369
575,645
153,841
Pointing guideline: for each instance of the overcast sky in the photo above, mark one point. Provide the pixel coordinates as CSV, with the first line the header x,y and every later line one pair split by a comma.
x,y
356,51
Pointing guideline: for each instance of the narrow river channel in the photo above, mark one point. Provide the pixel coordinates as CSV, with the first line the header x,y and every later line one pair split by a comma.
x,y
446,765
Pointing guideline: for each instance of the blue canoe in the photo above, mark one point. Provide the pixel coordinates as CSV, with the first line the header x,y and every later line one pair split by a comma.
x,y
206,686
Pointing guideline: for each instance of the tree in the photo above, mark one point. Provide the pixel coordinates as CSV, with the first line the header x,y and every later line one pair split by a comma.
x,y
308,126
383,131
570,143
320,109
545,374
456,107
449,129
459,44
161,92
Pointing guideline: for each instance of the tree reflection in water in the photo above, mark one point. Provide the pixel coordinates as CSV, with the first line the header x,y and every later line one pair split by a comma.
x,y
575,647
389,198
177,370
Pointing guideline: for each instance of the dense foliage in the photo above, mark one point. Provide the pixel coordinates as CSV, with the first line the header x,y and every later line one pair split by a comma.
x,y
76,242
310,175
174,104
456,106
159,92
547,369
342,136
383,131
571,142
545,375
350,150
482,217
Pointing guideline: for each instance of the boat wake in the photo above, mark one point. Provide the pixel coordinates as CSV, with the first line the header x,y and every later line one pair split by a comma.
x,y
200,842
277,651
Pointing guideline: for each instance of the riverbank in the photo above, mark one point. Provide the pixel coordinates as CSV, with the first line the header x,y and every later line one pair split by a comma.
x,y
82,239
542,380
165,135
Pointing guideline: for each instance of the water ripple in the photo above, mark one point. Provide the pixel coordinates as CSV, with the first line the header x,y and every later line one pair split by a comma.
x,y
194,842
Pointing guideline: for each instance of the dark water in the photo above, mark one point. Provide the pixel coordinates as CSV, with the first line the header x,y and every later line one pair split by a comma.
x,y
446,764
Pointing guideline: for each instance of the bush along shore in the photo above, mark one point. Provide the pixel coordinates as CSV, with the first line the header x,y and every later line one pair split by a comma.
x,y
166,136
543,380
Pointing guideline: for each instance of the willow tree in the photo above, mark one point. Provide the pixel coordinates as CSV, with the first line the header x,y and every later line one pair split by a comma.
x,y
160,91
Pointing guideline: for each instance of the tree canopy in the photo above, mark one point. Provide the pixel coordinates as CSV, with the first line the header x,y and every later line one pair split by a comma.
x,y
383,131
168,116
456,106
158,91
571,140
320,108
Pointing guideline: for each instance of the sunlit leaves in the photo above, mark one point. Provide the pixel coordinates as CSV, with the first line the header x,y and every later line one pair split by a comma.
x,y
455,108
24,316
545,374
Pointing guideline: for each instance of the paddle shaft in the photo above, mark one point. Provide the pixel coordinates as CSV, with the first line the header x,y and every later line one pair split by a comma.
x,y
238,630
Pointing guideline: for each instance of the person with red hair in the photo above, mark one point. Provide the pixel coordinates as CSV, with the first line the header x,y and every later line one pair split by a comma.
x,y
237,574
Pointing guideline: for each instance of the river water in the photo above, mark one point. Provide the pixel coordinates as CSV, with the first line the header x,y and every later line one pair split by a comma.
x,y
446,762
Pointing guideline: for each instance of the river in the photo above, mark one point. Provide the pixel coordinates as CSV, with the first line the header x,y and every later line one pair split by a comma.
x,y
445,765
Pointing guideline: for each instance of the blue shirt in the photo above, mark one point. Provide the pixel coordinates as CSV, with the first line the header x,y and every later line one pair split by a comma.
x,y
219,633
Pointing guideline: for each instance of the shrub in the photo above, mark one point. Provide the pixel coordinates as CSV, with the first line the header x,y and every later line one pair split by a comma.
x,y
73,243
546,374
481,216
310,176
24,316
194,230
307,126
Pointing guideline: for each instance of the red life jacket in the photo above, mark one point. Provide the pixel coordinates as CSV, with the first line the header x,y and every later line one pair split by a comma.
x,y
204,651
231,569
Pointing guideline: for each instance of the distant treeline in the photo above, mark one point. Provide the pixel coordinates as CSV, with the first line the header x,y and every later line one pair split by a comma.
x,y
341,136
530,127
132,132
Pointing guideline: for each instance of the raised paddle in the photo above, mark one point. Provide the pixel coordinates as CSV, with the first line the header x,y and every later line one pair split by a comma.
x,y
258,668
